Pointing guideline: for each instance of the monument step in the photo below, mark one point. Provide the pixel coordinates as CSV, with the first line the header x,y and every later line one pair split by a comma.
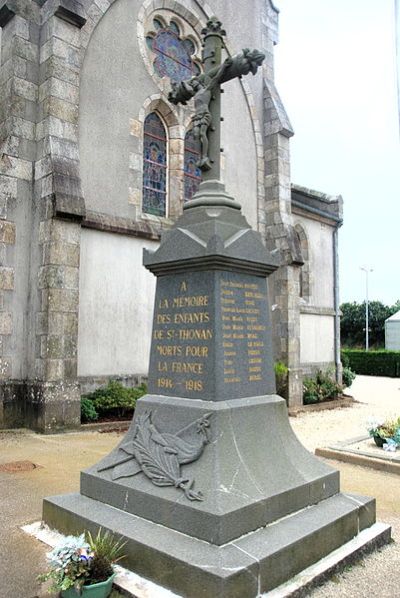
x,y
254,563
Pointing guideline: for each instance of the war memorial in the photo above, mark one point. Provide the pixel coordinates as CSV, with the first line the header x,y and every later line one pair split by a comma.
x,y
210,488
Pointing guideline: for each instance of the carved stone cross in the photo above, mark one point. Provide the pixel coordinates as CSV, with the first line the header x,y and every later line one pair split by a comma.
x,y
206,91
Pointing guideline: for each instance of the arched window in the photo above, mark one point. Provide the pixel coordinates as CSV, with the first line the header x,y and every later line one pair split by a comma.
x,y
192,174
154,166
305,269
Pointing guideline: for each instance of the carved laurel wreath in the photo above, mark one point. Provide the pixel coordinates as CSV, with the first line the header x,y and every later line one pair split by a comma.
x,y
159,455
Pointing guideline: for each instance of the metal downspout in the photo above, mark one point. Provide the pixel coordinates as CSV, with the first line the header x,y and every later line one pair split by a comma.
x,y
336,303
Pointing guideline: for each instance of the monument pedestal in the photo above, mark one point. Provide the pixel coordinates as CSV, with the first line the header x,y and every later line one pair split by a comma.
x,y
270,508
210,488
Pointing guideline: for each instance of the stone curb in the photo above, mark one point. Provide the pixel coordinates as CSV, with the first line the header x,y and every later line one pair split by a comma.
x,y
117,426
342,403
363,459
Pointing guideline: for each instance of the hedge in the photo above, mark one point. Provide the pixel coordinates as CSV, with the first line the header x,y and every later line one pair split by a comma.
x,y
372,363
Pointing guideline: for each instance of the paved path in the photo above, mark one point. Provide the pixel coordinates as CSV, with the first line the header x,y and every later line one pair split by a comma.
x,y
376,397
63,456
379,573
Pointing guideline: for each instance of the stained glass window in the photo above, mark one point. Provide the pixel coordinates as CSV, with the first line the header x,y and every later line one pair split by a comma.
x,y
157,24
192,174
174,27
154,166
173,56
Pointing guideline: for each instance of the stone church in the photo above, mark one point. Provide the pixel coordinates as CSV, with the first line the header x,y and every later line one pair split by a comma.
x,y
95,163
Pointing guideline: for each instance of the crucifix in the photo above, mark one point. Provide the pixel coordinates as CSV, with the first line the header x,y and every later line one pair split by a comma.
x,y
205,89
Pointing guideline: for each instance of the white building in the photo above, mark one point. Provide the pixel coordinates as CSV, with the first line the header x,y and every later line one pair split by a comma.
x,y
392,332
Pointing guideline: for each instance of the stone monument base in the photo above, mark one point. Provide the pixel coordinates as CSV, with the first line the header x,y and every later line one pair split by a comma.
x,y
255,563
270,508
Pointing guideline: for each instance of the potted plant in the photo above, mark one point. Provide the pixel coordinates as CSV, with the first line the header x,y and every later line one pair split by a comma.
x,y
386,433
83,566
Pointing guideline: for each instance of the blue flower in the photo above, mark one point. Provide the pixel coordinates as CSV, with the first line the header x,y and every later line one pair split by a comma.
x,y
396,436
390,446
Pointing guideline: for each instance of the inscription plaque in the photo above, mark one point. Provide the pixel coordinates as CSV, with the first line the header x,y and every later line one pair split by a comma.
x,y
183,331
210,336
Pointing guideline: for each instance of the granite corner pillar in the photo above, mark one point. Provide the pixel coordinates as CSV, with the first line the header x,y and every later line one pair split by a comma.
x,y
18,105
41,211
59,209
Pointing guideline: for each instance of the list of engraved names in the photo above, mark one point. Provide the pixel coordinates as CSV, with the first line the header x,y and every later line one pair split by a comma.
x,y
243,309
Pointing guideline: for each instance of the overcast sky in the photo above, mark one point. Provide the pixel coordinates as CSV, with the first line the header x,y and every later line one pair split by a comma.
x,y
335,70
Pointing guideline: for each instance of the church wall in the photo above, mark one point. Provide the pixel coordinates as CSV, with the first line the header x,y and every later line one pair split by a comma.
x,y
320,245
18,92
239,160
316,341
116,307
114,84
15,283
317,315
114,87
70,215
242,23
116,91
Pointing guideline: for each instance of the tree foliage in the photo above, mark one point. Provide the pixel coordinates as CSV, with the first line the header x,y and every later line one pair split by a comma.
x,y
352,323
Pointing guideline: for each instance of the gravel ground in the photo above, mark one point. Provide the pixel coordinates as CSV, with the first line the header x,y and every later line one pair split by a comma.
x,y
378,573
376,398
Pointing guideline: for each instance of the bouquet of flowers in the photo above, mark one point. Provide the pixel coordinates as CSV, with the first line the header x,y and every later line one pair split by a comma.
x,y
388,431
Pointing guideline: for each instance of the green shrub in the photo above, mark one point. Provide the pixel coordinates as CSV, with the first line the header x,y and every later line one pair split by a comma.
x,y
88,411
310,391
115,399
345,360
373,363
107,551
281,379
348,376
320,388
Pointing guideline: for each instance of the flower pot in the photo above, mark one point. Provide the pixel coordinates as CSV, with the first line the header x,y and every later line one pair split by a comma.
x,y
379,441
96,590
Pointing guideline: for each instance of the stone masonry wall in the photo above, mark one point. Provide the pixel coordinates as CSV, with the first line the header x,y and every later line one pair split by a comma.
x,y
59,209
280,235
41,211
19,90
